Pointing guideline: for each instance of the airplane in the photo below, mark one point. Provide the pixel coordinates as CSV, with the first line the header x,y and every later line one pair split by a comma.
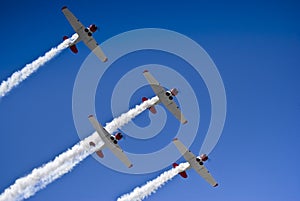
x,y
84,34
165,97
195,162
110,141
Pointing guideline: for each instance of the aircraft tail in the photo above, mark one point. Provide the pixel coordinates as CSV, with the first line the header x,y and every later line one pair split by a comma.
x,y
152,108
99,152
183,173
73,47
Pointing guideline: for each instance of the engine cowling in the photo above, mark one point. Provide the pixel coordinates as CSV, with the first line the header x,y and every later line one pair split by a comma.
x,y
182,174
93,28
174,92
118,136
204,157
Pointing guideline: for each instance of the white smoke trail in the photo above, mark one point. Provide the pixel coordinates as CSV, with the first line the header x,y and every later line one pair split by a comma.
x,y
140,193
126,117
17,77
39,178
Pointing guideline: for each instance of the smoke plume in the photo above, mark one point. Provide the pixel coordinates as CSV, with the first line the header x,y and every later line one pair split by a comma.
x,y
17,77
140,193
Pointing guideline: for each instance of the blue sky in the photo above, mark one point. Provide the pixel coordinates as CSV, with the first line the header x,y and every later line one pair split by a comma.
x,y
255,46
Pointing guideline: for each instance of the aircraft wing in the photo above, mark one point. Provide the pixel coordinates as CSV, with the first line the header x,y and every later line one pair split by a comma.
x,y
191,158
92,44
158,90
161,93
75,23
105,136
174,109
150,78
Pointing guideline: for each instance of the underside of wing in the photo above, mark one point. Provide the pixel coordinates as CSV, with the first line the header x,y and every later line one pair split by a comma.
x,y
174,109
158,90
95,48
203,172
187,154
150,78
100,130
75,23
119,153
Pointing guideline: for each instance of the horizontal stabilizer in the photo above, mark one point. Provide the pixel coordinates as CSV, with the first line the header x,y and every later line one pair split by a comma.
x,y
183,173
152,108
73,47
99,152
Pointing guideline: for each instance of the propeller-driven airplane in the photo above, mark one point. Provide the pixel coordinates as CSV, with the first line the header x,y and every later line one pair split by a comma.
x,y
110,141
165,97
195,162
84,34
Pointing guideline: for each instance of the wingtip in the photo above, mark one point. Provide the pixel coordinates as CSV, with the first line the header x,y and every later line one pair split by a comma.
x,y
130,166
64,7
105,60
175,139
146,71
185,122
91,115
216,185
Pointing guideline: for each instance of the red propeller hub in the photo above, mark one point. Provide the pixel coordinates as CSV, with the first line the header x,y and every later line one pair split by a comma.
x,y
174,92
204,157
119,136
93,28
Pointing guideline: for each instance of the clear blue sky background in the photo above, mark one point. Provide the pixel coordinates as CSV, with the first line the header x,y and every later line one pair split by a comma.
x,y
255,46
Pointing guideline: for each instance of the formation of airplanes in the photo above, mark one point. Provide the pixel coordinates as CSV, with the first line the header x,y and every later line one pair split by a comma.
x,y
166,97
